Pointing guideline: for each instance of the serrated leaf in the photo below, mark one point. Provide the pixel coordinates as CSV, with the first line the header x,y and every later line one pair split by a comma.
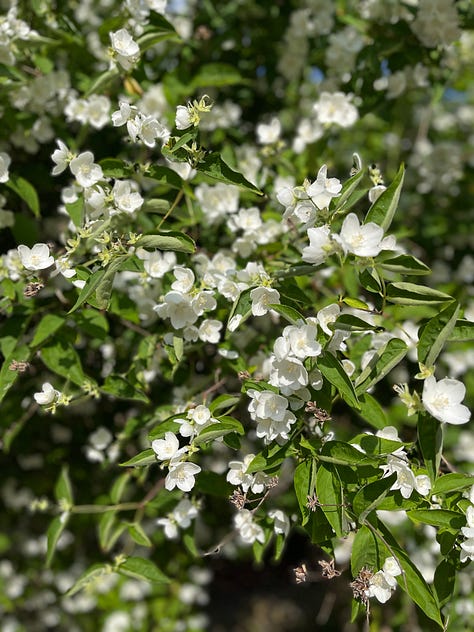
x,y
48,325
383,209
53,534
178,242
26,191
380,364
413,294
63,488
146,457
329,493
435,334
334,372
213,166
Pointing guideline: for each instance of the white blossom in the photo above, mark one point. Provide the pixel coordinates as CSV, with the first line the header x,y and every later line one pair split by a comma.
x,y
47,395
181,475
125,47
87,172
443,400
361,240
268,133
36,258
5,161
262,297
320,245
323,189
249,531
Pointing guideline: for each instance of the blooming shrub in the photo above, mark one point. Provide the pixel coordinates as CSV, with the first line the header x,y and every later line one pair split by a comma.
x,y
220,327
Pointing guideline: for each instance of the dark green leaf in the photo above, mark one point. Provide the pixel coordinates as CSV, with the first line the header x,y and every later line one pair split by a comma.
x,y
115,168
381,363
75,211
435,333
334,372
444,582
430,438
61,358
329,493
137,534
438,518
26,191
147,457
463,331
63,489
118,386
289,313
452,483
48,325
225,426
214,167
7,376
412,294
53,533
405,264
302,482
348,322
370,496
371,411
344,454
89,288
365,551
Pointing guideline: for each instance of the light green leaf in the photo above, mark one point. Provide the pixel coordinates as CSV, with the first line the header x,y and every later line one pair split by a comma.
x,y
213,166
224,401
289,313
7,376
118,488
412,294
370,496
334,372
75,211
344,454
242,308
102,81
372,411
216,75
164,175
452,483
146,457
348,322
225,426
435,333
178,242
463,331
356,303
137,534
89,288
26,191
365,551
383,209
115,168
381,363
349,186
91,575
302,480
48,326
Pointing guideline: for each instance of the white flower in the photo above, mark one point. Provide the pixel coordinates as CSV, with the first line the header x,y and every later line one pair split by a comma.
x,y
126,197
323,189
380,587
181,516
336,108
300,341
467,547
328,315
87,172
262,297
237,474
47,395
184,279
443,400
181,475
126,49
267,405
183,117
167,448
361,240
5,161
62,157
249,531
157,264
320,245
267,134
36,258
123,114
209,330
281,521
177,307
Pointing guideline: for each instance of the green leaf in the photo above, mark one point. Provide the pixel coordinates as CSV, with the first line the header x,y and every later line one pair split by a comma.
x,y
329,493
348,322
242,308
411,581
118,386
53,534
178,242
430,438
61,358
115,168
48,326
371,411
463,331
370,496
118,488
452,483
412,294
216,76
301,481
356,303
63,489
366,551
137,534
289,313
91,575
438,518
102,81
104,288
7,376
89,288
404,264
369,278
146,457
383,209
381,363
92,322
344,454
349,186
444,581
109,530
26,191
334,372
158,30
225,426
435,333
224,401
75,211
213,166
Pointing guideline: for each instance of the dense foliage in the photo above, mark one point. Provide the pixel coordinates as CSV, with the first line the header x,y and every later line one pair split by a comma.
x,y
237,309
